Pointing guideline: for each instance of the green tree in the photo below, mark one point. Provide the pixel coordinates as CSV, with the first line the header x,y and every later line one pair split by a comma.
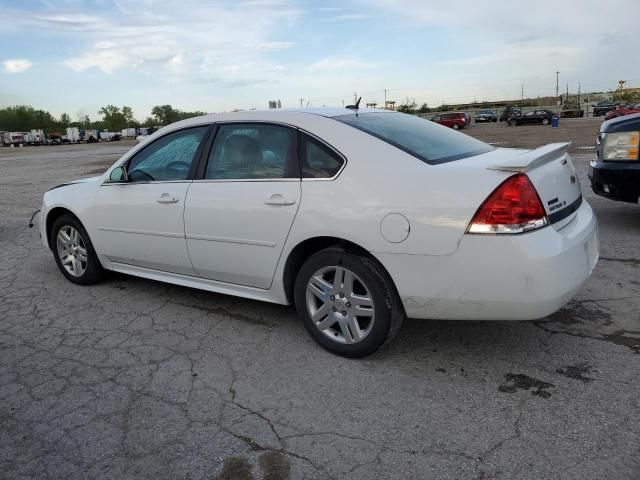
x,y
424,108
112,118
127,114
166,114
65,120
407,107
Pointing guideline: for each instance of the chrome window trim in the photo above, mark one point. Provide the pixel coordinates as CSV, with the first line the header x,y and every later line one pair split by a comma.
x,y
235,180
107,183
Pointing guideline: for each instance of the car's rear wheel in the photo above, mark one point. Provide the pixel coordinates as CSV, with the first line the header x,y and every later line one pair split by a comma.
x,y
513,123
74,252
347,302
456,126
545,121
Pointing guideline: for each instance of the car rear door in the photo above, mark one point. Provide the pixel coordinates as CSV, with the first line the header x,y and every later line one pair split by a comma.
x,y
241,207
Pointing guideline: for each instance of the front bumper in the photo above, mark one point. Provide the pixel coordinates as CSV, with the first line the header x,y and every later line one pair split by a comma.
x,y
519,277
616,180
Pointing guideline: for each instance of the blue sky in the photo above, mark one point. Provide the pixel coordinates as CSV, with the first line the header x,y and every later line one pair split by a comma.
x,y
76,55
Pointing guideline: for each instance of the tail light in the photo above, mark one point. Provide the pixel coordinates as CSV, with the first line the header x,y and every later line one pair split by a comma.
x,y
513,207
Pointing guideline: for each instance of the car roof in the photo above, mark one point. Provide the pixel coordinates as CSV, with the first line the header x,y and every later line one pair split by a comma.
x,y
285,115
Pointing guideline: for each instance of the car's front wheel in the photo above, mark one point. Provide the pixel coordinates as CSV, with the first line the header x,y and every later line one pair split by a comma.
x,y
74,252
347,302
513,123
545,121
456,126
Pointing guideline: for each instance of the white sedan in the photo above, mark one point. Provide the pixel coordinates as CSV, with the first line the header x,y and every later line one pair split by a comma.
x,y
359,218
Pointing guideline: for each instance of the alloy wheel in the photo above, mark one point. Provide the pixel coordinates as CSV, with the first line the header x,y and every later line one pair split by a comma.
x,y
340,304
72,251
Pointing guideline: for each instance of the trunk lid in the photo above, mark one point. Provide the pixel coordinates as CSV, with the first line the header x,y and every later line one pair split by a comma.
x,y
552,173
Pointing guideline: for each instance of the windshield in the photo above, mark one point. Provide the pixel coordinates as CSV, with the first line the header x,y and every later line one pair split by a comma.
x,y
426,140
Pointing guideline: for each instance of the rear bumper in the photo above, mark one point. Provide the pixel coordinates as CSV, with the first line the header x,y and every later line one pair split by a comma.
x,y
521,277
617,181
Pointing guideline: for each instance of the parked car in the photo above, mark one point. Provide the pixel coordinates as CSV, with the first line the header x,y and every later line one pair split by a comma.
x,y
542,117
358,218
508,112
621,112
601,108
486,116
456,120
615,172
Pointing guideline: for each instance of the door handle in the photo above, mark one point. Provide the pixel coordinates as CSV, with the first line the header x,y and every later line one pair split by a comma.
x,y
166,198
277,199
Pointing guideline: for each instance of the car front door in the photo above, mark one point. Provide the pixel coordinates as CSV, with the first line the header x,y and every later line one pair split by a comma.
x,y
241,207
140,221
529,117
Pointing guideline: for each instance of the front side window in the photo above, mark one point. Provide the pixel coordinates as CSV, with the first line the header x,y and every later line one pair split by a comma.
x,y
318,160
425,140
244,151
168,158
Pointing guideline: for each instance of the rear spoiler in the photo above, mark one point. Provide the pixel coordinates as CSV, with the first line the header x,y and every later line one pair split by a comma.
x,y
533,158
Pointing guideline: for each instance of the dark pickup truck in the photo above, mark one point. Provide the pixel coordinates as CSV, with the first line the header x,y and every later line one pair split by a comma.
x,y
615,172
601,108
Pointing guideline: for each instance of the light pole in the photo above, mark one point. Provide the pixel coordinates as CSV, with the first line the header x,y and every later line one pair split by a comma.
x,y
557,91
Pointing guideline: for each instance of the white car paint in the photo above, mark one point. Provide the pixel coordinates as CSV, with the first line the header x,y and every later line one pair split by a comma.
x,y
221,236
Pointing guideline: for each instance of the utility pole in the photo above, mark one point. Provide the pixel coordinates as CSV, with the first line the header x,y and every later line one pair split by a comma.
x,y
522,94
301,100
355,97
385,98
557,92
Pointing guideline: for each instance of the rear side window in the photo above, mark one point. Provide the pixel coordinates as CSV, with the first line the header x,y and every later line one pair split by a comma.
x,y
245,151
428,141
318,160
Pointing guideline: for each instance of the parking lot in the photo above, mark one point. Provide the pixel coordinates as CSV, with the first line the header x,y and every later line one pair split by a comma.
x,y
136,379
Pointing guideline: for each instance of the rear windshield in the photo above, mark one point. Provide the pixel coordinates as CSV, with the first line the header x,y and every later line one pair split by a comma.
x,y
426,140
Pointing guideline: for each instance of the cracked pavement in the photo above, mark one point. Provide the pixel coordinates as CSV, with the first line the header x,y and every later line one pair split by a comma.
x,y
138,379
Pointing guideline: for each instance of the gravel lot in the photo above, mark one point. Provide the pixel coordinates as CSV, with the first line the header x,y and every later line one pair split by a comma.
x,y
136,379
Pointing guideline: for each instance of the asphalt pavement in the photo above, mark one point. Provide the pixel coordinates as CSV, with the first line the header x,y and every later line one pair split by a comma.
x,y
137,379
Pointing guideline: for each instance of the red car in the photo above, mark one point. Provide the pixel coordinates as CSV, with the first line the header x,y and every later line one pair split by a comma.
x,y
626,110
456,120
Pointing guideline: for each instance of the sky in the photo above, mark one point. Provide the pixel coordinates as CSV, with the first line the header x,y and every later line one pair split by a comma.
x,y
75,56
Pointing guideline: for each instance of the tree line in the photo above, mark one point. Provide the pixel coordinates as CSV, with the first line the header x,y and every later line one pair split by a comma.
x,y
19,118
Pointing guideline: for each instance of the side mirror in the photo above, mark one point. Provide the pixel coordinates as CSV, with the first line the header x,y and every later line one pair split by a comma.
x,y
118,175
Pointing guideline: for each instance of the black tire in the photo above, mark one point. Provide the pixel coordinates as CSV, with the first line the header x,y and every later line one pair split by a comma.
x,y
512,123
545,121
456,126
389,312
93,272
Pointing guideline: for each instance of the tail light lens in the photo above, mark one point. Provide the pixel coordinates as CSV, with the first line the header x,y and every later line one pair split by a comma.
x,y
513,207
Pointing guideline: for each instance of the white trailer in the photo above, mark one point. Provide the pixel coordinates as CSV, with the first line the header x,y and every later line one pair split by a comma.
x,y
36,137
73,134
128,133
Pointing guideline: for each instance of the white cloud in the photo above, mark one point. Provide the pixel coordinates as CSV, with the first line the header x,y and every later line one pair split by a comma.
x,y
194,43
17,65
341,63
274,46
345,17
